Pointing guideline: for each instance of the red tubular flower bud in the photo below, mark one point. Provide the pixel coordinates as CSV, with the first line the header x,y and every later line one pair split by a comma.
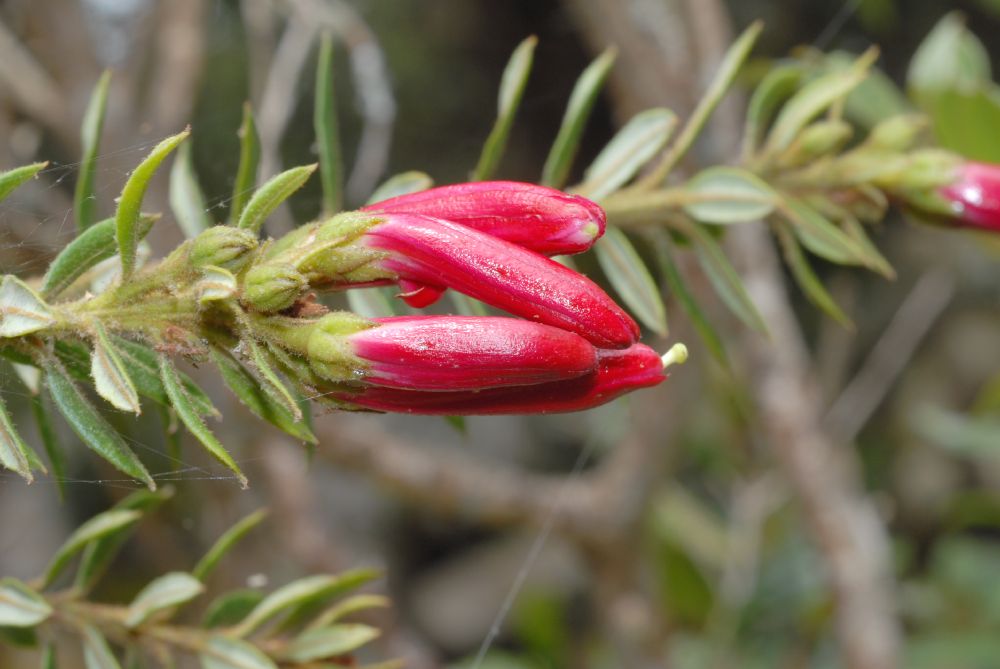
x,y
443,254
449,353
539,218
618,372
974,196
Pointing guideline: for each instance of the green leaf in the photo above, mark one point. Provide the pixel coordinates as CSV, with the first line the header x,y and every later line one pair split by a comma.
x,y
726,195
966,121
20,606
512,85
225,653
11,179
772,92
130,202
97,653
331,170
581,102
246,172
329,642
267,198
111,378
91,427
21,309
813,98
305,591
724,279
248,390
13,450
41,412
187,200
101,525
631,148
821,236
403,183
187,411
91,246
230,608
679,289
270,381
374,302
49,659
949,58
631,279
84,197
966,436
807,279
144,367
165,592
225,543
350,606
99,553
875,260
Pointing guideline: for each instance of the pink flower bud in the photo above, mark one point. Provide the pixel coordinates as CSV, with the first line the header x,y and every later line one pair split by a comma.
x,y
443,254
618,372
448,353
974,196
542,219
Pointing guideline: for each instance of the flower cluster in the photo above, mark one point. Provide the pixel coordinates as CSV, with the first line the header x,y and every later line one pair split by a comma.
x,y
572,348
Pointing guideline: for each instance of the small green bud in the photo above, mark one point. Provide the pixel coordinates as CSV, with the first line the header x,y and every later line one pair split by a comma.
x,y
329,352
897,133
223,246
817,140
925,170
270,288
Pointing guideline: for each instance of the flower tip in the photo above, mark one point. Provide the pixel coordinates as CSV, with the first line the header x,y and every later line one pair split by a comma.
x,y
677,355
592,231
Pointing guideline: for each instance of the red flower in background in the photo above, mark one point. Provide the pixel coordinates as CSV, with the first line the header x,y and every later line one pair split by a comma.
x,y
974,196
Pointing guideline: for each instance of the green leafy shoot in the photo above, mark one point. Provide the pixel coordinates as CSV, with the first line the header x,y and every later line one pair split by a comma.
x,y
11,179
331,169
100,526
225,543
130,202
246,172
84,199
512,85
267,198
581,102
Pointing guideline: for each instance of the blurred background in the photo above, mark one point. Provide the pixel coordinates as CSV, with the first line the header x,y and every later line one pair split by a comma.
x,y
665,529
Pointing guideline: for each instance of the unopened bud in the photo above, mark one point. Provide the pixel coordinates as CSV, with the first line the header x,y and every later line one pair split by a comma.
x,y
270,288
223,246
329,350
818,139
897,133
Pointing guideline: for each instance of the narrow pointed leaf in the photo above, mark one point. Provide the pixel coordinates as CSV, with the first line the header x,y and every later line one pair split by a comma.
x,y
512,85
165,592
144,368
248,390
246,172
631,279
349,606
875,261
101,525
403,183
813,98
20,606
41,412
226,653
130,202
13,450
631,148
329,642
22,311
270,381
11,179
267,198
111,378
331,170
225,543
305,591
97,654
93,245
807,279
230,608
581,102
84,197
91,427
188,413
99,553
187,200
772,92
724,278
821,236
726,195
